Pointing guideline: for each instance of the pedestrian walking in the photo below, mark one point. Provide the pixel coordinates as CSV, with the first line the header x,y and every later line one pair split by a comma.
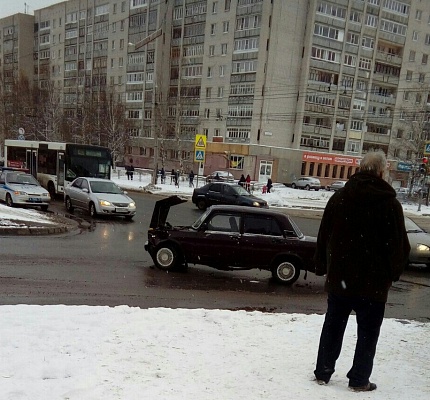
x,y
163,175
172,176
191,178
248,183
362,248
269,185
242,181
177,178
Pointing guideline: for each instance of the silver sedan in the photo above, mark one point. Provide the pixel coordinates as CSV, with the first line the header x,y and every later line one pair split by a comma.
x,y
419,240
99,197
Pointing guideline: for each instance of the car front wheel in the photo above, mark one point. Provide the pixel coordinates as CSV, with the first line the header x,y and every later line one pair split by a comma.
x,y
307,187
166,258
293,186
285,271
93,211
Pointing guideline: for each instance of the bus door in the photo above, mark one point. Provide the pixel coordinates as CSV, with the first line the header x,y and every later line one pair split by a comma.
x,y
31,161
60,172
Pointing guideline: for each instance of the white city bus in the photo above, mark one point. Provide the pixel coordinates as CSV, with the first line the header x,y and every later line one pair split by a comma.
x,y
55,163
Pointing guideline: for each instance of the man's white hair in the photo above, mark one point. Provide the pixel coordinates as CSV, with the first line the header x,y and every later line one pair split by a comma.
x,y
374,162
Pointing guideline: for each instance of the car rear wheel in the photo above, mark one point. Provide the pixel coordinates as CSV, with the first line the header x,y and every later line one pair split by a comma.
x,y
69,206
9,201
285,271
201,204
166,257
293,185
93,211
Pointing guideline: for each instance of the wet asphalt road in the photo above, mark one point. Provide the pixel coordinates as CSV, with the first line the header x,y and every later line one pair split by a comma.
x,y
104,263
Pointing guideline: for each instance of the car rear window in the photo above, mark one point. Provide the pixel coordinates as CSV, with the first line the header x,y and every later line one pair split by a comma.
x,y
261,225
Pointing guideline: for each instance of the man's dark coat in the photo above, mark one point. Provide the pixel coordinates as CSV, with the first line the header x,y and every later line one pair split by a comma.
x,y
362,242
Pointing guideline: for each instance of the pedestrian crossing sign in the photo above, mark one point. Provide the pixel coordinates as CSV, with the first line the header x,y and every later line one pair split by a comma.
x,y
427,149
199,155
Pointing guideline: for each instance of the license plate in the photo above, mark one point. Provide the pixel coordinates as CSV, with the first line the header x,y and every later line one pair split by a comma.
x,y
34,199
121,209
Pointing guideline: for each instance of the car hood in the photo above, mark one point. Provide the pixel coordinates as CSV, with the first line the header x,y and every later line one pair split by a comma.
x,y
27,188
113,197
161,210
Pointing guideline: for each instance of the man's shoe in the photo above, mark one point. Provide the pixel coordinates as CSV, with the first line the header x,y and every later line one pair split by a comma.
x,y
321,381
366,388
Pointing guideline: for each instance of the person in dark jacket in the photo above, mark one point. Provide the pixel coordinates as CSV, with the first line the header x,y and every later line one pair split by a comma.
x,y
242,180
362,247
269,185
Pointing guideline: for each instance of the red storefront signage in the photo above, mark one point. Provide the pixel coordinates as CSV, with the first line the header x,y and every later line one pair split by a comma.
x,y
330,159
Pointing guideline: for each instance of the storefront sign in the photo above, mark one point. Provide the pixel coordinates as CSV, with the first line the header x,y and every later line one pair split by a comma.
x,y
331,159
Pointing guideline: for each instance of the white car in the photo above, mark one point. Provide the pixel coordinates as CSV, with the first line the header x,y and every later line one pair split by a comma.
x,y
307,183
224,176
99,197
419,240
22,189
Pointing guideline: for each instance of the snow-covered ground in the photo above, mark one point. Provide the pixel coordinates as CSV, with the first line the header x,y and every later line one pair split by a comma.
x,y
125,353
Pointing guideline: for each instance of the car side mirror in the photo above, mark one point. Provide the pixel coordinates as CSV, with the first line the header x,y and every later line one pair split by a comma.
x,y
85,190
289,233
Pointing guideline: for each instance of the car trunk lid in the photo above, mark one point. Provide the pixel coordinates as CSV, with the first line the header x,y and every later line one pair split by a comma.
x,y
161,210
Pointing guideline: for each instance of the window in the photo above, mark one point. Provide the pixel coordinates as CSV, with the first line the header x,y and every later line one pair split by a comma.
x,y
240,111
355,16
223,49
208,92
414,36
368,42
327,31
258,225
238,133
365,63
209,75
418,15
352,38
211,50
353,147
350,60
214,7
221,91
213,28
221,70
371,20
408,75
424,59
422,77
236,162
427,40
244,66
412,55
225,26
246,44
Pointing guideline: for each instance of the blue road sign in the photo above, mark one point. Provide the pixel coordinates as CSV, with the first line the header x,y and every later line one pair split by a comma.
x,y
199,155
427,148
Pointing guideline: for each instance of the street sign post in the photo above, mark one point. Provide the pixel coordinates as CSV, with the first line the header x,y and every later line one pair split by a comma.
x,y
427,148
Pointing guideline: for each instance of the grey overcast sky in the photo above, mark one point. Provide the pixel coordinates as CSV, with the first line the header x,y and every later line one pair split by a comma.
x,y
10,7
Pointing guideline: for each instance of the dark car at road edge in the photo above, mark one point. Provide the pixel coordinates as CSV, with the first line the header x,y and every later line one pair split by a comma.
x,y
231,238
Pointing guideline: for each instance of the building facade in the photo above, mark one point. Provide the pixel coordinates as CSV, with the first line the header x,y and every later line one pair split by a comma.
x,y
280,88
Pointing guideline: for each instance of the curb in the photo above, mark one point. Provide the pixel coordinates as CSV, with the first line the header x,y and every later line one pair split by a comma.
x,y
33,230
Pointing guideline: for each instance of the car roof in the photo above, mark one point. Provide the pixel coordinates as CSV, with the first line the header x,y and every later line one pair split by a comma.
x,y
247,210
89,179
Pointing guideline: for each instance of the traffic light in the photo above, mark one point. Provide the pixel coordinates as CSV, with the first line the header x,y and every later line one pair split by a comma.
x,y
423,167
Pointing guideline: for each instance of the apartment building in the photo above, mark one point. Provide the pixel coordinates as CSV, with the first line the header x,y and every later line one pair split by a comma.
x,y
280,88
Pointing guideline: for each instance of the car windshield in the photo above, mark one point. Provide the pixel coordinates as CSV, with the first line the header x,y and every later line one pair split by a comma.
x,y
105,187
240,190
21,179
199,221
411,226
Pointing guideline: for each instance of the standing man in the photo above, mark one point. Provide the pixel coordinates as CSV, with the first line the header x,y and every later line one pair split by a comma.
x,y
362,248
